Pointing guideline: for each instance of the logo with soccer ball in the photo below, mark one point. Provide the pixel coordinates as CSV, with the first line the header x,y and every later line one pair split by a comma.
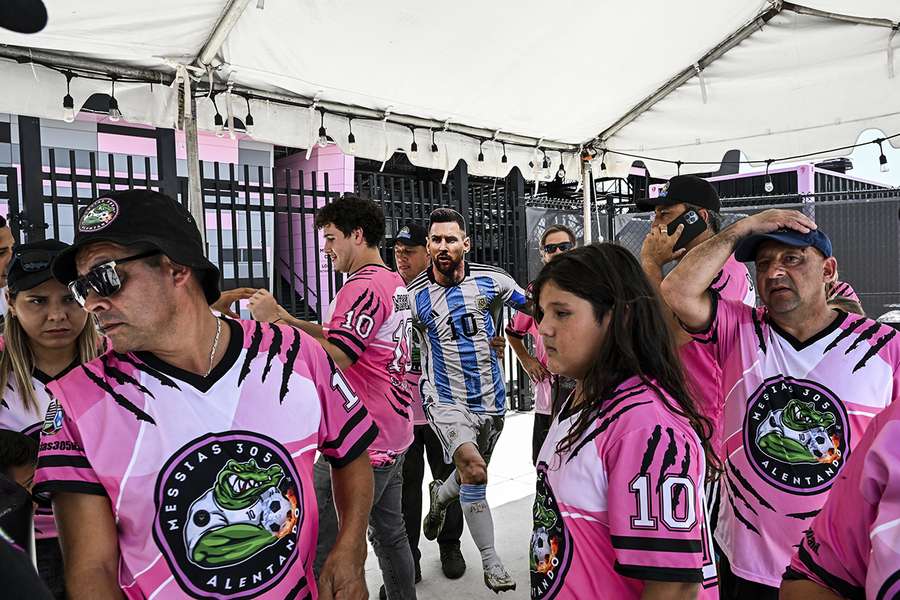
x,y
551,545
797,435
98,215
228,515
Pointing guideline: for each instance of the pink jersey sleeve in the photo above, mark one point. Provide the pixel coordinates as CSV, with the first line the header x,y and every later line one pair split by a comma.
x,y
721,337
853,544
62,463
359,313
655,499
346,429
520,325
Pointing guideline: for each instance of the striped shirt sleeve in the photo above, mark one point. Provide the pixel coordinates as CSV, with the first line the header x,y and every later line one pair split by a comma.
x,y
346,429
359,313
63,465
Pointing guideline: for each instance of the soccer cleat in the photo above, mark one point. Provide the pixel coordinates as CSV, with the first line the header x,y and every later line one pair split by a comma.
x,y
434,520
497,579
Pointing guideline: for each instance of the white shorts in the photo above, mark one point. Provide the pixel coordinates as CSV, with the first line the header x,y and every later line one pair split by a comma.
x,y
455,426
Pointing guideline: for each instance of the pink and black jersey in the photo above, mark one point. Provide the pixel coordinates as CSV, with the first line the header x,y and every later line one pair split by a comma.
x,y
414,378
209,478
521,325
843,289
370,321
793,413
16,416
624,504
853,545
701,370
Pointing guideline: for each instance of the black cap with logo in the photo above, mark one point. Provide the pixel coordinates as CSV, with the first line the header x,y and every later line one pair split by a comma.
x,y
688,189
412,234
30,266
141,217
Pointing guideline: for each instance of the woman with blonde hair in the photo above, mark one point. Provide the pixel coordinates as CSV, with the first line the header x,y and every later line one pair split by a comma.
x,y
46,333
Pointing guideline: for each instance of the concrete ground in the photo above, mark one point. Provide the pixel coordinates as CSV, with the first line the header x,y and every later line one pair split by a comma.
x,y
510,494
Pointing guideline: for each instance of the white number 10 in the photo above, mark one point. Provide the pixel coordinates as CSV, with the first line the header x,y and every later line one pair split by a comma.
x,y
671,486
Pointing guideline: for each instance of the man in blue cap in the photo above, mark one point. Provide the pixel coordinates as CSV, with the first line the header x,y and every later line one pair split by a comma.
x,y
801,382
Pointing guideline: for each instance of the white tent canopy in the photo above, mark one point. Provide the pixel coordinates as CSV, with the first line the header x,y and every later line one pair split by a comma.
x,y
683,81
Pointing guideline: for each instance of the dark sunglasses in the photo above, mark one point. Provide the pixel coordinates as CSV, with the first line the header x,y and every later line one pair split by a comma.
x,y
562,247
103,279
32,261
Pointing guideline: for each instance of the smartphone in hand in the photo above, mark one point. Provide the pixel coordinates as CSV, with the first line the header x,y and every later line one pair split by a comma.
x,y
694,225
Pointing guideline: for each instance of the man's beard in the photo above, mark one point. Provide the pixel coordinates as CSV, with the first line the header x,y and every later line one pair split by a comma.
x,y
450,269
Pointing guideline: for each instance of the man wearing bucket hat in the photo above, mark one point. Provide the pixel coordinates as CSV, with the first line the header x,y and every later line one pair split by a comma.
x,y
802,382
180,462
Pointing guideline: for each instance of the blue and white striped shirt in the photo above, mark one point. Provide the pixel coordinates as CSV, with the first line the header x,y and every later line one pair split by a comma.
x,y
456,325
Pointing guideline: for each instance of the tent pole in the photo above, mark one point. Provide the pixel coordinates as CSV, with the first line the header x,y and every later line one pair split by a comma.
x,y
587,185
195,198
229,18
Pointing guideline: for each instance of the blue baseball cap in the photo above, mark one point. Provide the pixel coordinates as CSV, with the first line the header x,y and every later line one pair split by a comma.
x,y
747,247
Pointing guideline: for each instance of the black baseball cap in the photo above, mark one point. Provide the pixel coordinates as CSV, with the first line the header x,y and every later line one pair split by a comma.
x,y
747,247
141,216
412,234
688,189
30,266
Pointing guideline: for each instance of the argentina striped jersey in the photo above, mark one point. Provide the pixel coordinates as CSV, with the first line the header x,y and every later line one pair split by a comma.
x,y
456,325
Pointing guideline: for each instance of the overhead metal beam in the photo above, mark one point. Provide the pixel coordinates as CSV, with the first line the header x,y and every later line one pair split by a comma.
x,y
690,71
68,61
815,12
229,18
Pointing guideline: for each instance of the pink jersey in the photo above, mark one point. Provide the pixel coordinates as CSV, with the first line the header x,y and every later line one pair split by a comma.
x,y
16,416
209,478
844,289
370,321
413,378
523,324
624,504
853,545
701,370
793,413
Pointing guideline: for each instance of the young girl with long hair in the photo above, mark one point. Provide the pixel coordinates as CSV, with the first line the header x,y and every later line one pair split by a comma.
x,y
45,334
619,510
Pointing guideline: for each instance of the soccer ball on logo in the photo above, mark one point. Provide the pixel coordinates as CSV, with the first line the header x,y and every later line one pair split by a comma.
x,y
540,546
274,510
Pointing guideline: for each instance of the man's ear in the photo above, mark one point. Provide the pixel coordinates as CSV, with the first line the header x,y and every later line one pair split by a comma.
x,y
704,214
358,235
829,269
467,245
180,273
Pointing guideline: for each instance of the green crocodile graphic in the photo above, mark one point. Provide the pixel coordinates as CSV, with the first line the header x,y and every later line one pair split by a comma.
x,y
99,214
798,433
543,516
240,515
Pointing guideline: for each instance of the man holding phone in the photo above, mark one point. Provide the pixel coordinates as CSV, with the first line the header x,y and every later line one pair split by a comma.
x,y
686,214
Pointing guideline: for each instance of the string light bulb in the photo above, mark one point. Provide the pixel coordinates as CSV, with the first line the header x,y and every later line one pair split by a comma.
x,y
603,162
503,158
882,159
481,151
218,121
114,113
323,135
248,121
68,102
434,147
768,186
561,173
414,147
545,166
351,139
